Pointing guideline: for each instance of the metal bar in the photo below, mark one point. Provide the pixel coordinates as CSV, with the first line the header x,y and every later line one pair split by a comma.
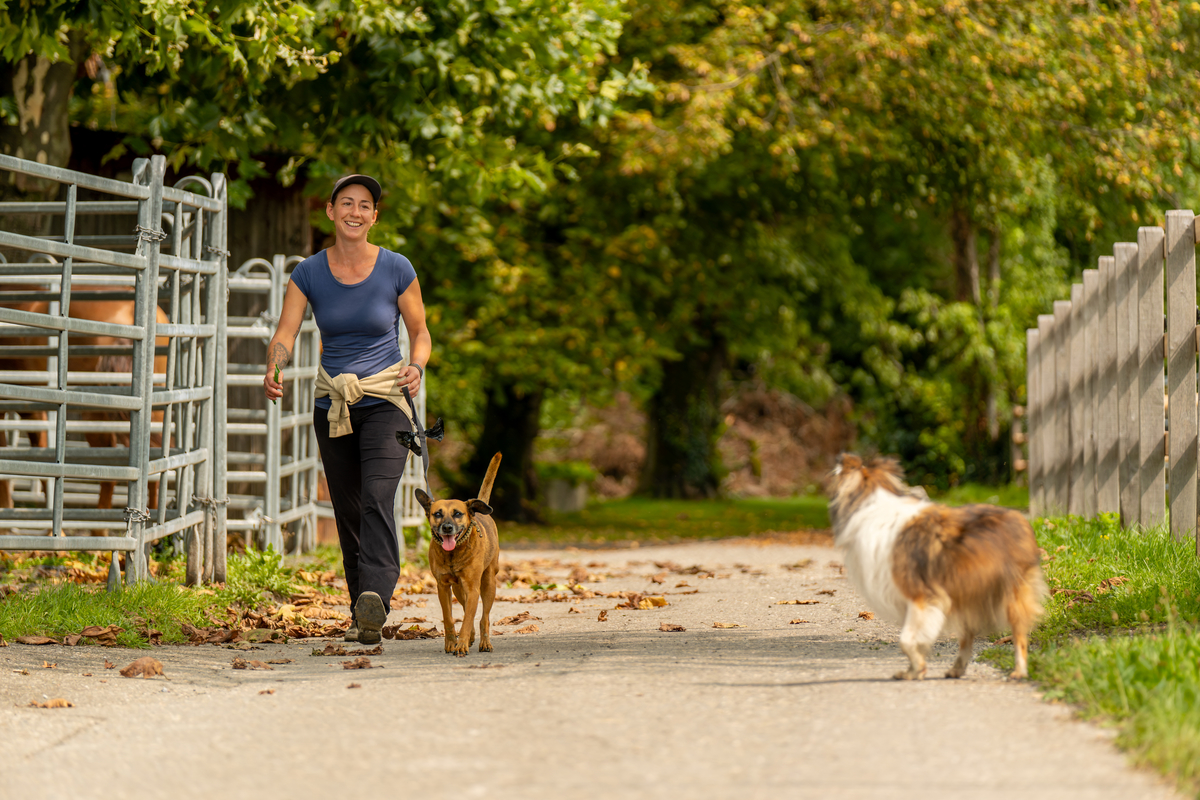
x,y
176,461
119,188
92,207
46,322
173,195
172,330
36,245
188,265
55,397
64,543
41,469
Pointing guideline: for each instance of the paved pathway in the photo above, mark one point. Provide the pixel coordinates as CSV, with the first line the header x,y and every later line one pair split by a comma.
x,y
580,709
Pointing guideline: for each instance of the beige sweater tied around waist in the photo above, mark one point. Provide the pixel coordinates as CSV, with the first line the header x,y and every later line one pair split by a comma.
x,y
347,389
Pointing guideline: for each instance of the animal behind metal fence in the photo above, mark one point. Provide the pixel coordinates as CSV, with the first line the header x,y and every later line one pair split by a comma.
x,y
113,350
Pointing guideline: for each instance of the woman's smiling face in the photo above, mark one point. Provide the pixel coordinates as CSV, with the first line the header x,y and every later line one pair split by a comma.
x,y
353,212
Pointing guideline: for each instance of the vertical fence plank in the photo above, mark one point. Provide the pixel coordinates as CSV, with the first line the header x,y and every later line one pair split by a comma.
x,y
1076,364
1033,420
1064,452
1125,299
1108,462
1046,441
1181,370
1152,439
1091,339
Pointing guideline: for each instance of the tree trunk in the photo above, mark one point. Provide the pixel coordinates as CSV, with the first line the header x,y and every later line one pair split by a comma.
x,y
41,92
683,426
993,417
510,424
966,261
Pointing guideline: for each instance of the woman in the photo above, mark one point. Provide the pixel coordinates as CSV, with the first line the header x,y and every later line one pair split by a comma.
x,y
359,293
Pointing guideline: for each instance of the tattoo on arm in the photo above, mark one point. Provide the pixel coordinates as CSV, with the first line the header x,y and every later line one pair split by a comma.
x,y
279,355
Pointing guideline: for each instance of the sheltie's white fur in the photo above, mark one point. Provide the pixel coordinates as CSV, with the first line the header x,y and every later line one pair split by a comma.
x,y
922,565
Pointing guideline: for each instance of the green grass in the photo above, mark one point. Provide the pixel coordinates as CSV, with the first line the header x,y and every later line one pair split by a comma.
x,y
1127,653
1011,496
650,521
60,609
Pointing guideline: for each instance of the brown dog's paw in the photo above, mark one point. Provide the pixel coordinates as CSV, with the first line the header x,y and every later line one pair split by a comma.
x,y
451,641
485,646
460,649
909,675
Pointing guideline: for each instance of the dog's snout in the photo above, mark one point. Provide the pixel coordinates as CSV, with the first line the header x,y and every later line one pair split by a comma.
x,y
447,527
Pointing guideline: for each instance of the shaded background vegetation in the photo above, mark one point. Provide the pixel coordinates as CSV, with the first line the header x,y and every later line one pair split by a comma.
x,y
848,209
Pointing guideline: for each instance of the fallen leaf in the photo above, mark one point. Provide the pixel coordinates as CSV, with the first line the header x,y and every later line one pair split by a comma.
x,y
647,603
603,617
482,666
241,663
682,584
354,686
410,620
86,674
144,667
35,640
517,619
578,575
109,665
798,565
797,602
72,639
670,627
830,592
798,622
659,578
573,610
866,615
280,661
21,671
528,629
1004,640
362,662
727,625
2,642
48,665
1109,583
57,702
267,691
330,650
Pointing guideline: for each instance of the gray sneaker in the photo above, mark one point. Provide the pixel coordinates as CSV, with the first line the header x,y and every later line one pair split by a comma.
x,y
352,632
370,614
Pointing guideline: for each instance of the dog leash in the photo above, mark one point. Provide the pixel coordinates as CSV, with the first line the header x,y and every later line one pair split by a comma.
x,y
417,442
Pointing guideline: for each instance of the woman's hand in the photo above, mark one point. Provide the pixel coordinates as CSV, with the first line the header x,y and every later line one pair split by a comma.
x,y
410,377
272,388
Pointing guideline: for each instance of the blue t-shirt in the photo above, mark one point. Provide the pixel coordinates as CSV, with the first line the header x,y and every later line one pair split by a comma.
x,y
359,322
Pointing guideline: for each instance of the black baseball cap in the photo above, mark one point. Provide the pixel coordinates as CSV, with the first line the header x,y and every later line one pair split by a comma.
x,y
363,180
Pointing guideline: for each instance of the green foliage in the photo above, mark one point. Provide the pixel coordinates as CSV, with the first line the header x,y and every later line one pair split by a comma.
x,y
257,575
573,472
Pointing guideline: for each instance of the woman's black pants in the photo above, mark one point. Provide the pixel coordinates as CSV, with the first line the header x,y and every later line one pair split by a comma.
x,y
363,469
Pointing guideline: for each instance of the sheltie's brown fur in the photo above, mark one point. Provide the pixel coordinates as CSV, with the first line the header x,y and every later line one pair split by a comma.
x,y
924,565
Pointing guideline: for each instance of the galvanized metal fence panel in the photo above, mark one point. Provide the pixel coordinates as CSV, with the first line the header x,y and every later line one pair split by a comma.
x,y
188,393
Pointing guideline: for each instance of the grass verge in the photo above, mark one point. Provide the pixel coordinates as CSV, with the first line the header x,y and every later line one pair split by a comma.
x,y
1120,637
649,521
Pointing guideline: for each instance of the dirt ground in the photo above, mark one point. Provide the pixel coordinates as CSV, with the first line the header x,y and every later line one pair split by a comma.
x,y
777,685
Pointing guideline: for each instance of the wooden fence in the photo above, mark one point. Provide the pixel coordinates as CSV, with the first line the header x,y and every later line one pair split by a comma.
x,y
1100,372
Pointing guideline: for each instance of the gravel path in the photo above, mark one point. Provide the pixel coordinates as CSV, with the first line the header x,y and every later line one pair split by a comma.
x,y
581,708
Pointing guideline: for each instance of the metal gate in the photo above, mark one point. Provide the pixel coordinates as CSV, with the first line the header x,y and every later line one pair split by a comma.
x,y
177,261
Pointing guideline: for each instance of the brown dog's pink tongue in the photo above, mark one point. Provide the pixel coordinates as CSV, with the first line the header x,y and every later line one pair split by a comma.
x,y
448,544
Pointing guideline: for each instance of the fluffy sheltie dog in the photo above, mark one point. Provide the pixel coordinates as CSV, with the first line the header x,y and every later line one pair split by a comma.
x,y
921,565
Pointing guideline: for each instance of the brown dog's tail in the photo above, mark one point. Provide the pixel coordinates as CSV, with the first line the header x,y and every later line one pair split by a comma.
x,y
485,491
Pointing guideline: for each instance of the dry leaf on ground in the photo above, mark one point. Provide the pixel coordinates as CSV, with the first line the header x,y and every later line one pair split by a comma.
x,y
35,640
109,665
573,610
603,617
798,622
799,565
105,635
414,632
57,702
1109,583
241,663
354,686
830,592
728,625
517,619
362,662
267,691
413,620
482,666
671,627
797,602
280,661
866,615
144,667
528,629
49,665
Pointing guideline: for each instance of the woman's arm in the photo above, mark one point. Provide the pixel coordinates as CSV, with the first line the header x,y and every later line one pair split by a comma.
x,y
279,351
412,309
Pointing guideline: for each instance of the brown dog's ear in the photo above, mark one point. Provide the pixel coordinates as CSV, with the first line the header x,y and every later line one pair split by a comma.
x,y
477,506
849,461
425,500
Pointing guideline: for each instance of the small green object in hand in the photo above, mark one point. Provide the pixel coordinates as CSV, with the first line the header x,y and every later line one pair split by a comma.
x,y
276,380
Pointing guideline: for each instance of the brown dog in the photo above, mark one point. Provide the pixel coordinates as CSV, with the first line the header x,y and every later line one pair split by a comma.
x,y
464,556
